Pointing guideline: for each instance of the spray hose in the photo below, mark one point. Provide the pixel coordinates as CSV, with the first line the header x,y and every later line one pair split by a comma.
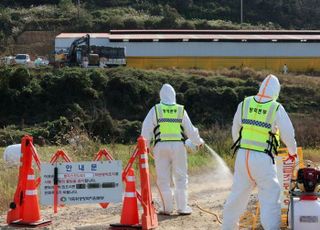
x,y
207,211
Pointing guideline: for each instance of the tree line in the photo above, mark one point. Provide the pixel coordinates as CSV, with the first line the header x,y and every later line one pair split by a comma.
x,y
111,104
298,14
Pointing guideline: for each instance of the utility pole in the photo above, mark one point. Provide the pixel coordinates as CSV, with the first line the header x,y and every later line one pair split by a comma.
x,y
241,11
78,9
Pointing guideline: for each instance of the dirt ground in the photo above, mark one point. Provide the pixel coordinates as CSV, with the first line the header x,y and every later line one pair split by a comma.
x,y
208,190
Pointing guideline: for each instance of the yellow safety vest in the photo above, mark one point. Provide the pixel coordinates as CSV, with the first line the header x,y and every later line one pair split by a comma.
x,y
169,123
257,119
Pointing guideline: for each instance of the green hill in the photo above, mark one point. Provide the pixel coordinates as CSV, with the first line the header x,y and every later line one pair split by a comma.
x,y
288,14
17,16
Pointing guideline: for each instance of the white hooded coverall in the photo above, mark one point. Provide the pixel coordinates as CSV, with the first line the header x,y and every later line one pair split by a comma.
x,y
171,157
12,154
260,167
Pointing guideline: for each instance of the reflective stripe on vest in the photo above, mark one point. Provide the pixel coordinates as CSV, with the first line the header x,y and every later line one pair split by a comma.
x,y
169,120
257,119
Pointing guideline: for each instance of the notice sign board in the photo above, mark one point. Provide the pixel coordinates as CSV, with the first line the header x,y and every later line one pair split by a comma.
x,y
82,182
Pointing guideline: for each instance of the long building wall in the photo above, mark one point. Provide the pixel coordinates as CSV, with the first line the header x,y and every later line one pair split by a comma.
x,y
299,56
219,49
272,63
207,49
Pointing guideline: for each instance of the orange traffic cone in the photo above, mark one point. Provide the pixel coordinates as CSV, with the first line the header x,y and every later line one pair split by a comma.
x,y
130,215
31,209
149,219
24,210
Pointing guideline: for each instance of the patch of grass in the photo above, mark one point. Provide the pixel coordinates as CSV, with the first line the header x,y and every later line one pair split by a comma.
x,y
8,183
307,133
312,154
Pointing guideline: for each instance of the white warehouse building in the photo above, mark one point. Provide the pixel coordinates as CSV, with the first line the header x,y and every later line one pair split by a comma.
x,y
210,49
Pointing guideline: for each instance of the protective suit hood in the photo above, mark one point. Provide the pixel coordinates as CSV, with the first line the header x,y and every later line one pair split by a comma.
x,y
167,95
270,88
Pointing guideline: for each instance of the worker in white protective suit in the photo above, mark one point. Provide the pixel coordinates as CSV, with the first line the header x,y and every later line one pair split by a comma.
x,y
256,127
12,154
168,125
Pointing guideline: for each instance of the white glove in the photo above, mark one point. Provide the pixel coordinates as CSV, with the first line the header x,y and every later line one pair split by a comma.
x,y
202,142
190,146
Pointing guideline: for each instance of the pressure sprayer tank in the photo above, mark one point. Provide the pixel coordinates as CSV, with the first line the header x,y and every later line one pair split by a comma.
x,y
306,214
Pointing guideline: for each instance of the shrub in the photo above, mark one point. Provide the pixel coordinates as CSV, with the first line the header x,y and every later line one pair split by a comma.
x,y
131,23
104,127
57,130
10,135
19,78
82,21
151,24
65,6
116,22
187,25
129,130
203,25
